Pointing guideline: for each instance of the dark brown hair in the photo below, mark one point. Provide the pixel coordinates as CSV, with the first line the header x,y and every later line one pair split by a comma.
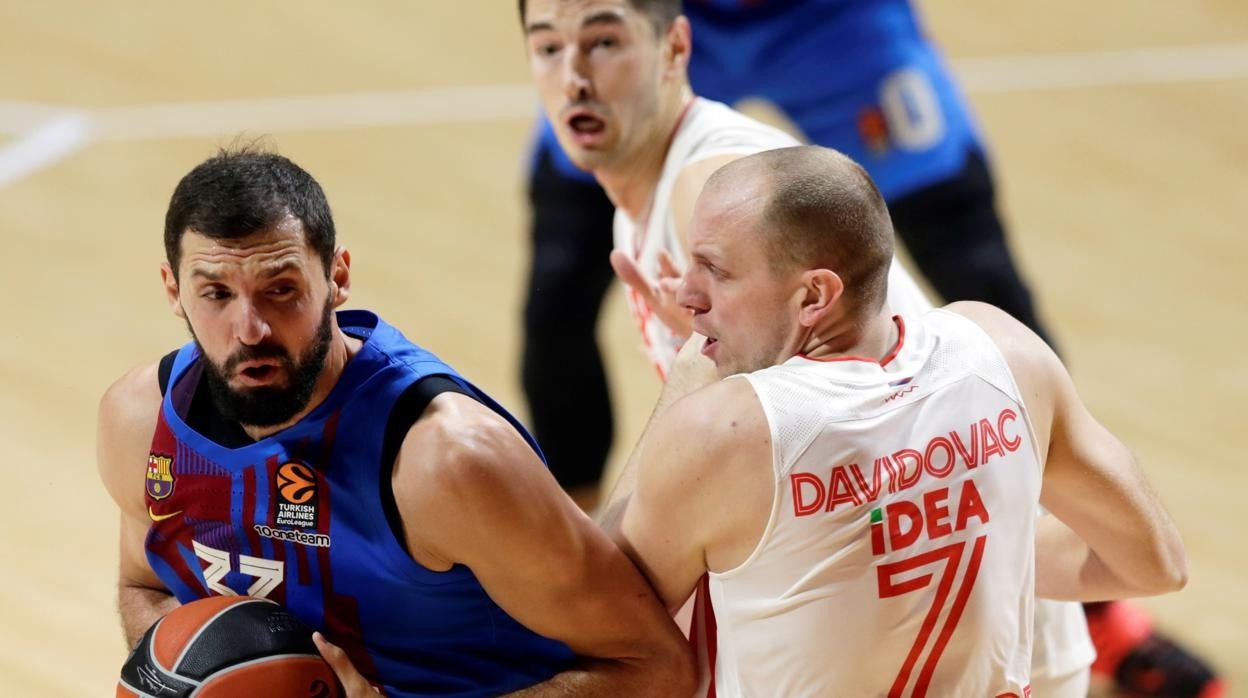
x,y
244,190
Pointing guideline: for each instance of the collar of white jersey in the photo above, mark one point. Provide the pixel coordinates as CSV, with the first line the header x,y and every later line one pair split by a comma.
x,y
896,362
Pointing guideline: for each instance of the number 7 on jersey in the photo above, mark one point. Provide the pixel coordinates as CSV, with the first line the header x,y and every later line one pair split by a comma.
x,y
895,580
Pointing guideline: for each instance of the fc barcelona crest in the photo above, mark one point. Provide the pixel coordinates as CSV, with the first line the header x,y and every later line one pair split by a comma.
x,y
159,476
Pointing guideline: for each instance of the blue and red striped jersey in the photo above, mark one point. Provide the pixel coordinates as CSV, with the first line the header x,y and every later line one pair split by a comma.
x,y
299,518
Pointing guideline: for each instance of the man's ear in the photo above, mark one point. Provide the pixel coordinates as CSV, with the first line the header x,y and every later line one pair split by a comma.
x,y
171,289
340,277
821,290
679,41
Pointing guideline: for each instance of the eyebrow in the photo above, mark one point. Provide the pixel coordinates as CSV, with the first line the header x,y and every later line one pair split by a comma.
x,y
605,17
204,274
279,269
267,272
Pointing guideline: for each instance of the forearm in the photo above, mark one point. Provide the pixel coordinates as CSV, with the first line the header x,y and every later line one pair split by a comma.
x,y
690,372
1068,569
140,607
1094,485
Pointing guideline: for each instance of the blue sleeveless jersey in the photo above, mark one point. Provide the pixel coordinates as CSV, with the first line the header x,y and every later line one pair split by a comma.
x,y
855,75
298,518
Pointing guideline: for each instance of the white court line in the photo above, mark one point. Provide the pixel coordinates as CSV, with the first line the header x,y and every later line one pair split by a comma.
x,y
43,146
1064,71
16,117
332,111
1018,73
1021,73
47,134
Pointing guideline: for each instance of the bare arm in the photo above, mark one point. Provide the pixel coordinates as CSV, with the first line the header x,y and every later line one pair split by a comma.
x,y
1092,483
1114,538
487,502
690,371
703,489
127,420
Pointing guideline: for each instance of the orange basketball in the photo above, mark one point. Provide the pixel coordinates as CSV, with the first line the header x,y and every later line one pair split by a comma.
x,y
226,646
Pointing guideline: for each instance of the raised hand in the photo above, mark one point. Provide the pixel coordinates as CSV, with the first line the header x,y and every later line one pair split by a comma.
x,y
658,294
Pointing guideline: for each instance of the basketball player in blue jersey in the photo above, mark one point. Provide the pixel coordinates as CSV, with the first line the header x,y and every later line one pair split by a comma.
x,y
860,77
320,459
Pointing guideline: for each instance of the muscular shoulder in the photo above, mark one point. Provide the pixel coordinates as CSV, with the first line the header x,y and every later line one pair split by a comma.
x,y
1037,370
692,177
689,183
126,422
719,417
460,459
710,453
459,438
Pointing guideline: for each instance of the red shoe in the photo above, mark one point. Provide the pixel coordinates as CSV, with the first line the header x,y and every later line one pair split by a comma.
x,y
1140,662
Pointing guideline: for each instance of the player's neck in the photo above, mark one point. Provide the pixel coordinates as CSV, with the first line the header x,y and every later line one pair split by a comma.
x,y
341,348
874,337
630,184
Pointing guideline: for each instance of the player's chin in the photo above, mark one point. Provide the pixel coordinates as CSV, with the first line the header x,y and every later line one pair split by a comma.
x,y
588,159
586,153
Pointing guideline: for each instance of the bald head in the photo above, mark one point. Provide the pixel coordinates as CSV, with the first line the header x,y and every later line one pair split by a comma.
x,y
821,211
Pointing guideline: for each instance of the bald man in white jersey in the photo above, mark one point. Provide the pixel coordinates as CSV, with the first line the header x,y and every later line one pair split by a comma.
x,y
612,79
863,487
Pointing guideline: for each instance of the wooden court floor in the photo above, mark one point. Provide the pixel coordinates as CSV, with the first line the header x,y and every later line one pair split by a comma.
x,y
1117,129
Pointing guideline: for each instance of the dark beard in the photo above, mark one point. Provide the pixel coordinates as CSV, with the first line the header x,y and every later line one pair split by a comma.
x,y
268,406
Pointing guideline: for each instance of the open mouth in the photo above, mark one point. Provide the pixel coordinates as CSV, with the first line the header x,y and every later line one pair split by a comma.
x,y
586,124
259,373
588,130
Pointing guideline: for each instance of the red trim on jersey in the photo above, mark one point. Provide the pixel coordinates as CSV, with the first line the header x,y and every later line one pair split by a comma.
x,y
704,630
249,513
341,612
888,358
642,314
164,537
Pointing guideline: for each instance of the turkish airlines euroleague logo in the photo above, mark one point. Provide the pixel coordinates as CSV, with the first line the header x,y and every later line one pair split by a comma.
x,y
296,483
296,505
296,501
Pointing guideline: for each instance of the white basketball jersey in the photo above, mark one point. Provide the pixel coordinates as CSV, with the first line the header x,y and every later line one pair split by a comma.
x,y
899,556
709,129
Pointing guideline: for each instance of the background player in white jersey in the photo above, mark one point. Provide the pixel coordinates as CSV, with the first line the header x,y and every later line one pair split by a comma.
x,y
612,80
619,97
865,486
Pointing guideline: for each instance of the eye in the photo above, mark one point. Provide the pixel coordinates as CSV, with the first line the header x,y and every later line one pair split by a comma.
x,y
546,49
214,293
601,41
284,291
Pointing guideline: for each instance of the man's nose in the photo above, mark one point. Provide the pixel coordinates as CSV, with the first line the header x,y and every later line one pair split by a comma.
x,y
576,82
250,327
689,296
